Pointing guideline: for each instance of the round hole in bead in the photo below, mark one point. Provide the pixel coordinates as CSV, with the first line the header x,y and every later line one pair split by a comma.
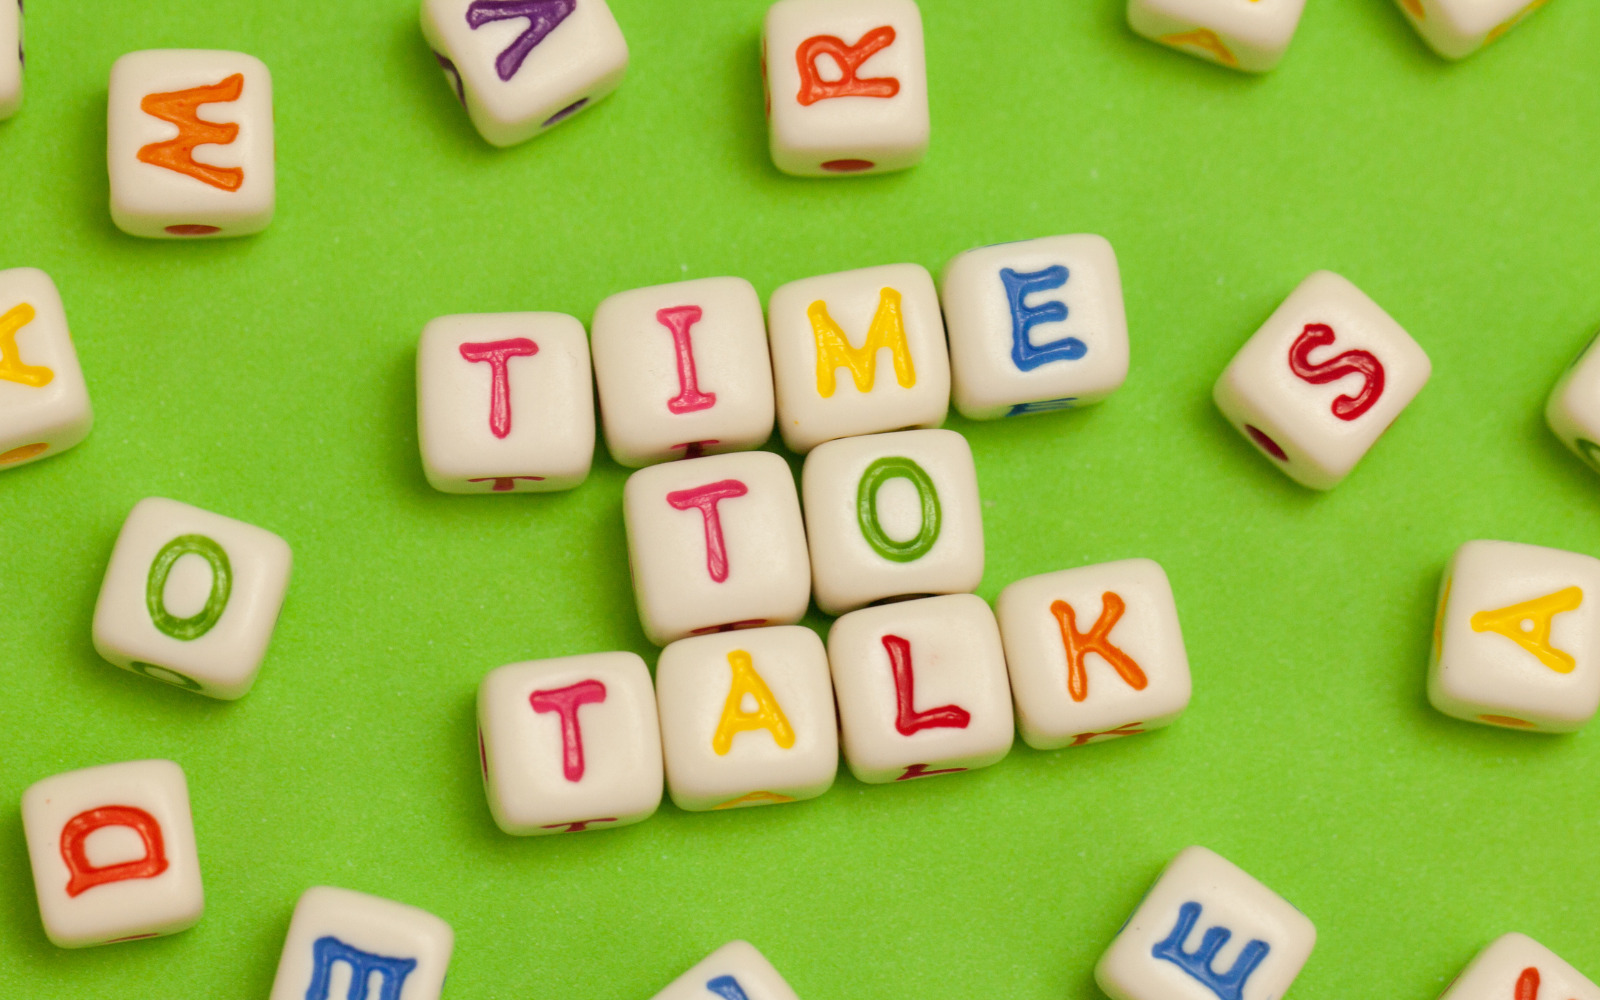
x,y
193,229
1506,720
848,166
1266,443
24,453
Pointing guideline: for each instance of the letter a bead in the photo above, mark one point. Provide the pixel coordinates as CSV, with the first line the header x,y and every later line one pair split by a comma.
x,y
1207,931
190,598
1321,381
1245,36
113,853
10,70
1516,967
377,948
736,971
44,403
1517,641
521,67
847,86
1457,28
190,148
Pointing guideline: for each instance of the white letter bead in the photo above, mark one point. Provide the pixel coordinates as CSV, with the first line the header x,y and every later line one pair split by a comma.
x,y
921,688
1035,326
113,853
736,971
505,403
1246,36
341,941
10,72
1316,416
44,403
847,86
1516,967
1516,640
523,66
1094,653
1457,28
1207,931
891,515
570,744
747,718
858,352
683,371
716,543
190,598
190,143
1573,411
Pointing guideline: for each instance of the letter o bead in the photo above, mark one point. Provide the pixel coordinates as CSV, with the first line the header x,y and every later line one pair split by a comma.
x,y
1321,381
1203,907
189,144
113,853
191,598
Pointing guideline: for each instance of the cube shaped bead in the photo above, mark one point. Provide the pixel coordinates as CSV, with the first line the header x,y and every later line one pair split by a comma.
x,y
505,403
736,971
113,853
189,144
683,371
827,386
1573,410
1249,35
570,744
10,72
1317,416
190,598
716,543
44,403
1169,949
891,515
747,718
1457,28
521,67
1517,643
921,687
345,945
847,86
1516,967
1094,653
1034,326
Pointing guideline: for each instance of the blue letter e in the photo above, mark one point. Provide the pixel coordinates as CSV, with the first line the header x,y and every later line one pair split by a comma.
x,y
1025,317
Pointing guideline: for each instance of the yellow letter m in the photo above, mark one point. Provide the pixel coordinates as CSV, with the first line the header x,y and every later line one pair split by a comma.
x,y
888,330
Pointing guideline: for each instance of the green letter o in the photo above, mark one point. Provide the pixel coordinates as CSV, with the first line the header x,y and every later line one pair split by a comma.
x,y
880,472
221,583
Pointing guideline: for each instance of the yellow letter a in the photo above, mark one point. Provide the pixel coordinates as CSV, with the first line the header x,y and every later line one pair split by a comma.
x,y
888,329
1528,625
736,720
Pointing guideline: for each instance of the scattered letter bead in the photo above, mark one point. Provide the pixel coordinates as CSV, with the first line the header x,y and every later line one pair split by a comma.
x,y
505,403
736,971
1246,36
891,515
1573,411
1457,28
858,352
1517,643
1315,416
716,543
1516,967
10,72
190,598
683,371
1203,906
921,688
372,948
570,744
747,718
847,86
523,66
1035,326
190,143
1094,653
113,853
44,403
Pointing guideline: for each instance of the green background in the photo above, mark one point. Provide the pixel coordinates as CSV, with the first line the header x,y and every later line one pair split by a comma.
x,y
270,379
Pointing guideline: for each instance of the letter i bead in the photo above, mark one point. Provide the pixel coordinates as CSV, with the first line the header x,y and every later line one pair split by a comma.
x,y
113,853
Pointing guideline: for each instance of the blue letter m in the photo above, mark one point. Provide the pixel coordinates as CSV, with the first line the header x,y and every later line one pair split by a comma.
x,y
328,950
1197,963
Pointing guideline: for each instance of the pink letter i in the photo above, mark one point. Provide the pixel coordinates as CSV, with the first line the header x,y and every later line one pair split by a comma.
x,y
678,320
